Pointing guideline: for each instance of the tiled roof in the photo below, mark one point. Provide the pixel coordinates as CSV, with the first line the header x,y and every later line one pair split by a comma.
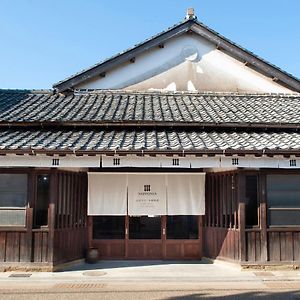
x,y
148,107
149,140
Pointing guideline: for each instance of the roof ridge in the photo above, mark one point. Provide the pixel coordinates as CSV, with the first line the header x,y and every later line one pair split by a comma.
x,y
193,93
30,91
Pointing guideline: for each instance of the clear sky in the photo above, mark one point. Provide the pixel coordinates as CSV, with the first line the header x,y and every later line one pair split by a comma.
x,y
44,41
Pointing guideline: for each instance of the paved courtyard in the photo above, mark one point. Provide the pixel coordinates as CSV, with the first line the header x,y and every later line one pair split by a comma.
x,y
151,280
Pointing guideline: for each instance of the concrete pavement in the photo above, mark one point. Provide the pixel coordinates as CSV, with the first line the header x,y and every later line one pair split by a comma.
x,y
151,280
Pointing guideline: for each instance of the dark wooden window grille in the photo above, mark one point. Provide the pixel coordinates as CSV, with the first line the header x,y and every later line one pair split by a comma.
x,y
293,163
116,161
71,203
55,162
235,161
221,200
175,161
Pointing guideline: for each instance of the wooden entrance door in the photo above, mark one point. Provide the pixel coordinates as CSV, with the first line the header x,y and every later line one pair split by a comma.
x,y
166,244
145,237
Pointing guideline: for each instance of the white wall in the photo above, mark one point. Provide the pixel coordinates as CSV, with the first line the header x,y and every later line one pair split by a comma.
x,y
188,62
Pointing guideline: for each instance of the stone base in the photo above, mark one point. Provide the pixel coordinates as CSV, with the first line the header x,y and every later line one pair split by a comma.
x,y
38,267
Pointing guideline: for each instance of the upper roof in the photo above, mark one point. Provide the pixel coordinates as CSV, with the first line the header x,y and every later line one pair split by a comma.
x,y
188,25
156,109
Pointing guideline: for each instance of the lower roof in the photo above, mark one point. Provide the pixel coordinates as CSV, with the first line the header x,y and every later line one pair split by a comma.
x,y
152,141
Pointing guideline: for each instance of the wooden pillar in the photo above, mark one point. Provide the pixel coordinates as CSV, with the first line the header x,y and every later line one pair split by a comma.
x,y
263,217
241,215
29,215
200,234
29,238
90,231
126,235
51,214
164,236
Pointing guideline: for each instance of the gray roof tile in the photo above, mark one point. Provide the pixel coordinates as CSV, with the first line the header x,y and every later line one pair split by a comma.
x,y
155,140
134,107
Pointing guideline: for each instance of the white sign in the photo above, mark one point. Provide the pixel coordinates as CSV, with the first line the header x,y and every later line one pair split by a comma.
x,y
147,194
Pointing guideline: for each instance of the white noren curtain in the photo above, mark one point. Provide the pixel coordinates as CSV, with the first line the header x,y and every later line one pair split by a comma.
x,y
107,194
186,194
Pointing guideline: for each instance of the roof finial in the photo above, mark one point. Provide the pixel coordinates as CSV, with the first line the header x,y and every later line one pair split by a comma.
x,y
190,14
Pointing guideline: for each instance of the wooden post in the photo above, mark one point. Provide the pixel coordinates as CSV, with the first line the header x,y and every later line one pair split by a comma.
x,y
90,231
126,235
241,215
51,214
29,214
200,234
29,238
164,236
263,218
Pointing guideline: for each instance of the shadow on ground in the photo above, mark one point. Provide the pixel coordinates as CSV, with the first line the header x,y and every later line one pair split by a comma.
x,y
227,295
131,264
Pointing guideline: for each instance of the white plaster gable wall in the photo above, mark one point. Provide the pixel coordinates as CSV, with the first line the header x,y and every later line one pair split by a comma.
x,y
188,62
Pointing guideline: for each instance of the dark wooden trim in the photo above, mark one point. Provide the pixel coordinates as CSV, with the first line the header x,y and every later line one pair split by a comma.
x,y
135,125
283,229
228,152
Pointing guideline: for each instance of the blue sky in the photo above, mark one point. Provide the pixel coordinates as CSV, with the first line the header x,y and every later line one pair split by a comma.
x,y
44,41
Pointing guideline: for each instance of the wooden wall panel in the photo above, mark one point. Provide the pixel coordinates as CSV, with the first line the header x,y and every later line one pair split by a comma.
x,y
37,246
284,246
25,251
221,243
12,247
69,244
173,250
2,246
274,246
110,249
145,249
296,246
253,246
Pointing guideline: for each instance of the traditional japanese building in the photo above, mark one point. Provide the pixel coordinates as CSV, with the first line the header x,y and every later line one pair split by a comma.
x,y
182,147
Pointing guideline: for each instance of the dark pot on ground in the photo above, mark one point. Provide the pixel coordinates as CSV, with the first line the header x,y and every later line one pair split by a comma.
x,y
92,255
